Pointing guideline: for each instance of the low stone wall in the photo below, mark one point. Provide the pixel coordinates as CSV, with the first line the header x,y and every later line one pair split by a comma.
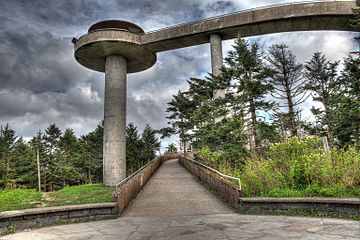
x,y
332,207
129,190
324,206
11,221
227,190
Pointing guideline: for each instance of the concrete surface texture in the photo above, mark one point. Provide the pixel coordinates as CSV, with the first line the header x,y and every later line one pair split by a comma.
x,y
216,60
207,227
173,191
216,54
173,205
114,160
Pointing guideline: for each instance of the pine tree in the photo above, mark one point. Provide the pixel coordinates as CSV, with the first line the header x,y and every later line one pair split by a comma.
x,y
51,166
37,145
322,82
246,67
206,108
347,114
69,153
171,148
8,141
24,165
288,85
91,155
180,109
133,149
149,144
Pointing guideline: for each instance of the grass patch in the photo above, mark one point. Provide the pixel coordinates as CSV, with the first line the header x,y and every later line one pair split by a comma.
x,y
82,194
19,199
336,191
29,198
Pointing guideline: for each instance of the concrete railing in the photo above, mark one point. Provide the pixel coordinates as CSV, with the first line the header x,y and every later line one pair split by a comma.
x,y
11,221
227,190
331,207
128,189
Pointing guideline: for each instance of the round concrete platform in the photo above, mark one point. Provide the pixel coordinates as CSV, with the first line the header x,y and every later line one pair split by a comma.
x,y
92,49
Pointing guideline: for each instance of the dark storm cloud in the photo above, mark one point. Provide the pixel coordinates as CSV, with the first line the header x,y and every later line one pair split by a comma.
x,y
37,61
41,83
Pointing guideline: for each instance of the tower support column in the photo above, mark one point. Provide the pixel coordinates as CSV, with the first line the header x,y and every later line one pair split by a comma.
x,y
216,60
114,145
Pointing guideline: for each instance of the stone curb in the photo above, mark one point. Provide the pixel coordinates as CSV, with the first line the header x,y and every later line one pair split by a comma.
x,y
354,201
45,210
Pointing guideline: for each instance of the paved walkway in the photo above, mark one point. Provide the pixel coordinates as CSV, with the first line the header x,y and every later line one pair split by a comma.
x,y
173,191
173,205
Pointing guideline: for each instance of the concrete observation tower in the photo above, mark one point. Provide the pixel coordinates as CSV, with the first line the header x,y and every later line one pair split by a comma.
x,y
120,47
114,47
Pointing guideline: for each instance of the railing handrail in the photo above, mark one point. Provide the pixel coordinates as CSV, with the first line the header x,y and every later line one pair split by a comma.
x,y
139,170
214,170
133,174
244,10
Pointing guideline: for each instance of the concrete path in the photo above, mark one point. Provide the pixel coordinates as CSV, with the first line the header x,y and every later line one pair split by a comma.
x,y
173,191
173,205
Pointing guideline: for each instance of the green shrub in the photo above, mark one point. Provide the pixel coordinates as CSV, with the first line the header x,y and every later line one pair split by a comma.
x,y
283,192
293,168
337,191
208,157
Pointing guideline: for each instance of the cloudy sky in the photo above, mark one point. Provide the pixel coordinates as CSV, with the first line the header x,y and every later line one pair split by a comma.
x,y
41,83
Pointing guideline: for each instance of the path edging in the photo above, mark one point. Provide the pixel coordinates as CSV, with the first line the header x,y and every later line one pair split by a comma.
x,y
11,221
228,191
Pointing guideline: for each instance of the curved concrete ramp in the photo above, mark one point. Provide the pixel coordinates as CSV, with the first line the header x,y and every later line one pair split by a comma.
x,y
173,191
289,17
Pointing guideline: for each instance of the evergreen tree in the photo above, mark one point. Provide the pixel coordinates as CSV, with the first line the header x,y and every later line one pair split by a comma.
x,y
37,144
180,107
171,148
133,149
288,85
8,141
91,155
51,167
247,70
225,136
24,165
323,84
347,114
69,149
149,144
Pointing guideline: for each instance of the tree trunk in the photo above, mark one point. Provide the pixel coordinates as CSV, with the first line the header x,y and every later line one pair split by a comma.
x,y
253,126
292,120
